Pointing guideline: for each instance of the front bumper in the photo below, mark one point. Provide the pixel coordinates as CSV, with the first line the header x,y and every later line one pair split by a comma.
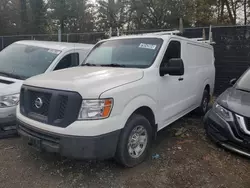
x,y
77,147
226,134
7,122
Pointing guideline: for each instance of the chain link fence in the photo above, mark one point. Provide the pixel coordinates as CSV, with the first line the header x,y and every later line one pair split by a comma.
x,y
91,37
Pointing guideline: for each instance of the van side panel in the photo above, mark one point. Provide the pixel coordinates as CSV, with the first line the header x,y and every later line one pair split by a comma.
x,y
200,65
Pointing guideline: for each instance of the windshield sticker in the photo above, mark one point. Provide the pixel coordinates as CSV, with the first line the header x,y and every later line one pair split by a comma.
x,y
54,51
148,46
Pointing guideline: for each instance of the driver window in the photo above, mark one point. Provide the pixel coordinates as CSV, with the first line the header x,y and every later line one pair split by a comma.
x,y
173,51
70,60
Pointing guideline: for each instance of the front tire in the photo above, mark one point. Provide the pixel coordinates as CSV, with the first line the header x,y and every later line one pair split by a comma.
x,y
135,141
202,109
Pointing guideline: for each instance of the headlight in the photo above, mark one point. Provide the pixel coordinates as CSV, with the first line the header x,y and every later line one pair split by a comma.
x,y
9,100
224,113
95,109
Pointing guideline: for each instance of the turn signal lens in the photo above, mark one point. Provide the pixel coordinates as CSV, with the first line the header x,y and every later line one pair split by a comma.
x,y
107,108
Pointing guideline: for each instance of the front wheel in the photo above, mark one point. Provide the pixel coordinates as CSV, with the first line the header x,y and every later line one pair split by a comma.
x,y
135,141
202,109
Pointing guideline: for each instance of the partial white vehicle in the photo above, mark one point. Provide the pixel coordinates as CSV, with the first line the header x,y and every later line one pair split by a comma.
x,y
127,90
24,59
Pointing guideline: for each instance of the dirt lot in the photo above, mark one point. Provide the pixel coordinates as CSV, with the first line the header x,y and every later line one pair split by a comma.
x,y
186,159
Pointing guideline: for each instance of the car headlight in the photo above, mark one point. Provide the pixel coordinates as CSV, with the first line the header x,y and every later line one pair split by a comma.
x,y
224,113
95,109
9,100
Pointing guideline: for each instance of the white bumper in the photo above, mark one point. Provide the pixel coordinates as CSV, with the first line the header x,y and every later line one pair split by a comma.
x,y
7,115
78,128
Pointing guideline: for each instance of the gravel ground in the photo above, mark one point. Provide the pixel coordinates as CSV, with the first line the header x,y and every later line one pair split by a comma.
x,y
186,159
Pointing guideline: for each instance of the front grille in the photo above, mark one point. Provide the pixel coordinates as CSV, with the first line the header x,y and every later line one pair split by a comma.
x,y
247,121
238,132
45,97
54,107
62,106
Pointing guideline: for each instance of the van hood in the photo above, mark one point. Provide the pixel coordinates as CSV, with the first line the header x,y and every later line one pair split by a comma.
x,y
9,86
236,101
90,82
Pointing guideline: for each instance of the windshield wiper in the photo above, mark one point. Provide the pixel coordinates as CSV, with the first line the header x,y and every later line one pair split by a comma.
x,y
245,90
89,64
10,75
113,65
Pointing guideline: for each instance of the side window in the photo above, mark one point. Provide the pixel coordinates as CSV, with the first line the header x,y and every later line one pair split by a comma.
x,y
70,60
173,51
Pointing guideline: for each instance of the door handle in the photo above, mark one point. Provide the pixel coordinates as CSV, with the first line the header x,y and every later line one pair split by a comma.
x,y
181,79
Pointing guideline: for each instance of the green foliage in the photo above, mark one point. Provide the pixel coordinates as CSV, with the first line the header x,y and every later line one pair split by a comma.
x,y
9,19
38,19
72,15
46,16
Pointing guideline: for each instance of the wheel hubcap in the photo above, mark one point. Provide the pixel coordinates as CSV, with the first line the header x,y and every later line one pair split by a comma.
x,y
137,142
205,104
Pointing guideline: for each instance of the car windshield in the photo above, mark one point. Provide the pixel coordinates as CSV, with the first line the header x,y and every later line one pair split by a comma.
x,y
135,53
244,82
23,61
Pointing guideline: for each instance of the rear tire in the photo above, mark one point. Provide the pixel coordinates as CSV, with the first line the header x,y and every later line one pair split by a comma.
x,y
202,109
135,141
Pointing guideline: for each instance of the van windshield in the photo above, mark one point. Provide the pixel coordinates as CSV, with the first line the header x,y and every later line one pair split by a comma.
x,y
133,53
23,61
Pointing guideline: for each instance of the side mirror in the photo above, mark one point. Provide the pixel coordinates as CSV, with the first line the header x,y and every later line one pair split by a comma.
x,y
233,81
175,67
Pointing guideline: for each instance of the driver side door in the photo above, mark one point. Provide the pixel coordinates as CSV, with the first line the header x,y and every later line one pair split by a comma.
x,y
170,99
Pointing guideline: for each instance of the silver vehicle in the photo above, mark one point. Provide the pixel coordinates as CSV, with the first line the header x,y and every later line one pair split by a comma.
x,y
24,59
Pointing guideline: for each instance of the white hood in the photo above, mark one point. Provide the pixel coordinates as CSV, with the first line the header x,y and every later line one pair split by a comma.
x,y
90,82
9,88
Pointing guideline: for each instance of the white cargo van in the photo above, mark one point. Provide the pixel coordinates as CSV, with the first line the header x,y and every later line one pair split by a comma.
x,y
24,59
127,90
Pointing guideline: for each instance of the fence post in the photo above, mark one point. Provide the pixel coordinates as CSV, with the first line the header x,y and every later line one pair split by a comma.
x,y
118,31
67,37
110,32
181,28
2,43
204,34
210,34
59,35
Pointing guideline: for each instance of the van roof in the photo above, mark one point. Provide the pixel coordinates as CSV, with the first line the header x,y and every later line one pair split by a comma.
x,y
162,36
56,45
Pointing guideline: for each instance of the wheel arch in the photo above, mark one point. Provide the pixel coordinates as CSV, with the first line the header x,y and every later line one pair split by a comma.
x,y
144,106
208,85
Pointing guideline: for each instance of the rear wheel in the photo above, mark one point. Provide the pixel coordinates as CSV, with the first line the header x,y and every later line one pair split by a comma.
x,y
135,141
202,109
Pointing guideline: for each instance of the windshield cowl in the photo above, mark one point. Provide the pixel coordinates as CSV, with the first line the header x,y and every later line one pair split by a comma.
x,y
243,89
104,65
11,75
